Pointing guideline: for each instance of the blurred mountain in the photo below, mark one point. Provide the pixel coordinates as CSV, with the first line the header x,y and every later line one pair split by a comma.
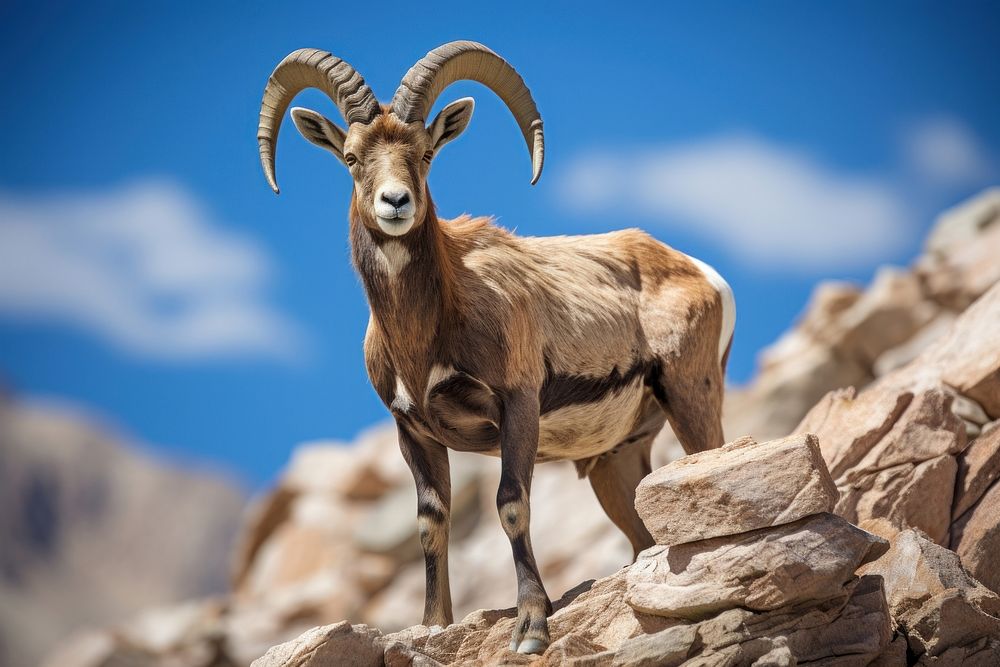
x,y
92,528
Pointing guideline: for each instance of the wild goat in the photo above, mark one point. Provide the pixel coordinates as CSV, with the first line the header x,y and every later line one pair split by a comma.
x,y
534,349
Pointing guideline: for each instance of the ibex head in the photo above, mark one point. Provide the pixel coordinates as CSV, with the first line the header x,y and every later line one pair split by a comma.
x,y
389,149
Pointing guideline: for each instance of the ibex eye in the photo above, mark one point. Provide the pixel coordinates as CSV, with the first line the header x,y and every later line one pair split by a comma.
x,y
428,156
351,159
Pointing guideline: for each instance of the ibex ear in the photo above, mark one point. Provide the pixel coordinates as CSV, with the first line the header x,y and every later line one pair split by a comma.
x,y
451,122
320,131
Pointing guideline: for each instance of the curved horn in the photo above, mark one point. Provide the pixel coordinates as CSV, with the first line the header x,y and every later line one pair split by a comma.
x,y
456,61
310,68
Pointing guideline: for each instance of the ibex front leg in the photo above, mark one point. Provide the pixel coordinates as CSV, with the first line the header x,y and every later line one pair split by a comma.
x,y
518,446
429,464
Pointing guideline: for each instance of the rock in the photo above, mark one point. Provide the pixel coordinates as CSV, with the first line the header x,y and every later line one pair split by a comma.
x,y
599,612
909,495
848,428
338,645
959,263
971,413
667,647
593,626
978,468
975,538
740,487
569,649
926,428
938,606
963,226
894,655
810,559
969,357
890,312
893,453
900,355
852,629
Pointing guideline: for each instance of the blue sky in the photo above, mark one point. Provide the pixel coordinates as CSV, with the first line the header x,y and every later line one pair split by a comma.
x,y
148,273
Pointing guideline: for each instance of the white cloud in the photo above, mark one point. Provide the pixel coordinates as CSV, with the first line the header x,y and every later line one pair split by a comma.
x,y
145,268
945,152
768,205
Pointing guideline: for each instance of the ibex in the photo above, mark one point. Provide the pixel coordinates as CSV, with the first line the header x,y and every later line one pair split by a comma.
x,y
531,349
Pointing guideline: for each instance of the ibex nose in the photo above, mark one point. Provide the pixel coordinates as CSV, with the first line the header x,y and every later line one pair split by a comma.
x,y
396,199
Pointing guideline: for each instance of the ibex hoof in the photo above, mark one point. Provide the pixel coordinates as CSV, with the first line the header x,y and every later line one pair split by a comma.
x,y
532,646
531,630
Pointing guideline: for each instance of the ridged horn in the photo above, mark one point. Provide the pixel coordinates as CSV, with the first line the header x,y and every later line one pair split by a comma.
x,y
310,68
471,61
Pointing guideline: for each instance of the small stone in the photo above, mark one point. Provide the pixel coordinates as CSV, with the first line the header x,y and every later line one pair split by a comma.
x,y
325,646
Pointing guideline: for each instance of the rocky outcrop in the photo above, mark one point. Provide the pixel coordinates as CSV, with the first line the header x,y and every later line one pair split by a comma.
x,y
944,614
781,588
93,530
914,450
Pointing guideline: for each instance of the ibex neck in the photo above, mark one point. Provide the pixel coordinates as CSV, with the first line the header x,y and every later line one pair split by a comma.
x,y
409,280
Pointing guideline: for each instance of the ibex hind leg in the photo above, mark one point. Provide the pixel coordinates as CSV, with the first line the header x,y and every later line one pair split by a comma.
x,y
614,478
690,393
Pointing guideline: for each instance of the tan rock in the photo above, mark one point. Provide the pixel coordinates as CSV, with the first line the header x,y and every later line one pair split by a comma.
x,y
938,606
601,614
890,312
852,629
909,495
900,355
740,487
893,453
969,358
848,428
928,428
340,644
593,616
960,261
976,538
978,468
572,649
810,559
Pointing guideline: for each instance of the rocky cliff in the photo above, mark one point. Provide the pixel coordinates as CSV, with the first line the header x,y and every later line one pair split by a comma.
x,y
859,525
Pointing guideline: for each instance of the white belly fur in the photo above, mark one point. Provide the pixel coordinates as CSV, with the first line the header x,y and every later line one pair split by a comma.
x,y
728,302
588,429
